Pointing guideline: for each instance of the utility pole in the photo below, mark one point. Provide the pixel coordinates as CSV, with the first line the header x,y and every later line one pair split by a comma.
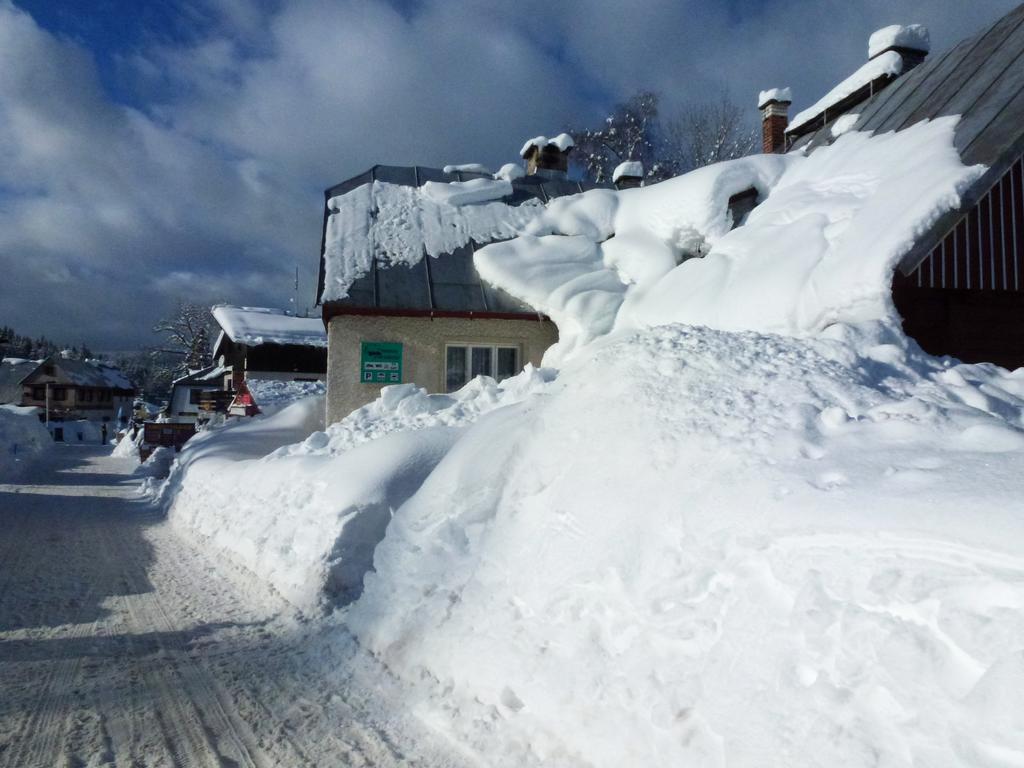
x,y
47,405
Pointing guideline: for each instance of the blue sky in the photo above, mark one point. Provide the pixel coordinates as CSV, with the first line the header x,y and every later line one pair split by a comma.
x,y
157,151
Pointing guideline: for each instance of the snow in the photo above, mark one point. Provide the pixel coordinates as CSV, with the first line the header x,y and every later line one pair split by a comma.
x,y
273,394
889,63
458,193
23,439
844,124
562,141
819,249
510,172
913,36
253,326
468,168
784,95
632,168
705,529
397,224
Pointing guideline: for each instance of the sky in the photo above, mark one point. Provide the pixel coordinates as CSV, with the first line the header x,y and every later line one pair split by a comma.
x,y
152,152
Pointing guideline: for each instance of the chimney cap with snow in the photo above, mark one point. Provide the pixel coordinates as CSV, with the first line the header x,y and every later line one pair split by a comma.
x,y
774,96
910,38
547,157
628,174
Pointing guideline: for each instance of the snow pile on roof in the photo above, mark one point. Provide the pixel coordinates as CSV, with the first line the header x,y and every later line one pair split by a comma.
x,y
275,394
708,547
399,223
467,168
913,36
633,168
844,124
774,94
510,172
470,192
93,373
22,439
562,142
253,326
819,249
887,64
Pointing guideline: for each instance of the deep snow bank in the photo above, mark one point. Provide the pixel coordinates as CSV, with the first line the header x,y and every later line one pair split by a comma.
x,y
307,517
761,551
22,439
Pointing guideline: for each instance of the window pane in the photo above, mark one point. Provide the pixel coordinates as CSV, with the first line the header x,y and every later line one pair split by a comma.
x,y
508,362
455,368
481,365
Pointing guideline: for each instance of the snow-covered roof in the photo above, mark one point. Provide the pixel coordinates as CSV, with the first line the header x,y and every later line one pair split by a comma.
x,y
510,171
783,95
208,375
630,168
90,373
889,64
912,36
562,141
253,326
391,217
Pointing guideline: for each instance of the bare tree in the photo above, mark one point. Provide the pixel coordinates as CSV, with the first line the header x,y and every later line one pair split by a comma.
x,y
702,134
187,336
628,133
697,135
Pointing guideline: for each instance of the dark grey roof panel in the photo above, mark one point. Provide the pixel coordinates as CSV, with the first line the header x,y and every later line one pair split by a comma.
x,y
454,267
393,174
499,301
560,188
403,287
458,298
431,174
349,184
1002,136
361,292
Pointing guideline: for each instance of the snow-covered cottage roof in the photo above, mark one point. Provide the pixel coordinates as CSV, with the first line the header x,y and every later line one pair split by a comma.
x,y
85,373
253,326
210,375
981,81
13,371
380,224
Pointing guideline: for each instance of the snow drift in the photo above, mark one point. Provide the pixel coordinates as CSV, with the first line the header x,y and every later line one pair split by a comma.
x,y
22,439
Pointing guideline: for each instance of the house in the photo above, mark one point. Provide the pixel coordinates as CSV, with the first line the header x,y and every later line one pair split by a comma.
x,y
399,294
69,390
267,344
960,290
197,394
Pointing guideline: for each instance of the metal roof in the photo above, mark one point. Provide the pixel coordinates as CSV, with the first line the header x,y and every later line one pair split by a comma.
x,y
982,80
449,282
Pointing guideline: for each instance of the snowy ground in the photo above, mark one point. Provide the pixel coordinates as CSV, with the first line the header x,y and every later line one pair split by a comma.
x,y
122,645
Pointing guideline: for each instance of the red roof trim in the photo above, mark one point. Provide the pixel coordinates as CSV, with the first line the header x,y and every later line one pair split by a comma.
x,y
331,309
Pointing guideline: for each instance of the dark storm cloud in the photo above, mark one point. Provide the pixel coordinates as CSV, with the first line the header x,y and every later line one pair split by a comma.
x,y
208,186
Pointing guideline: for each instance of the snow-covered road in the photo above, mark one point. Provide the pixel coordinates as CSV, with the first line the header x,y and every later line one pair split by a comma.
x,y
122,645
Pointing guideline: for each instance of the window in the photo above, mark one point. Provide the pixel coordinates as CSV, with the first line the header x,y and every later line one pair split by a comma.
x,y
195,396
59,393
38,393
467,361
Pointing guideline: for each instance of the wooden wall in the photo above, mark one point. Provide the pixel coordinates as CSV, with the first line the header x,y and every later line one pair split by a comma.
x,y
966,299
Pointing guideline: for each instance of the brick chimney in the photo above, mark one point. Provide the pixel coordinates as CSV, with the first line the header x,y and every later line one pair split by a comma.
x,y
774,106
547,157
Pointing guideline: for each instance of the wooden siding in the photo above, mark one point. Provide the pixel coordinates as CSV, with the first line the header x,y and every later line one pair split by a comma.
x,y
985,249
966,298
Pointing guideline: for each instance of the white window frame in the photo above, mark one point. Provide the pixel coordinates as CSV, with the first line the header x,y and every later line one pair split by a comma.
x,y
469,346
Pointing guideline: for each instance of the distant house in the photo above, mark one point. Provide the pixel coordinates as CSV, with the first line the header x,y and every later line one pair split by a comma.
x,y
400,296
960,290
268,344
197,393
70,389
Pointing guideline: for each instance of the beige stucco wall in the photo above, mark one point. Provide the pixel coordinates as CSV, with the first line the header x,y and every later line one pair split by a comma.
x,y
423,341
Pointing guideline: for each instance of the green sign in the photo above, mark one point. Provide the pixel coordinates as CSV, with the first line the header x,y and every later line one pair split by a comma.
x,y
381,363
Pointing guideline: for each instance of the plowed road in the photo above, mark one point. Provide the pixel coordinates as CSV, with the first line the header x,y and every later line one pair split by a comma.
x,y
123,645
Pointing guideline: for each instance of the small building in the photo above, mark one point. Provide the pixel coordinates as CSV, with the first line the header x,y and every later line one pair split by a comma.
x,y
960,289
267,344
198,394
400,296
70,389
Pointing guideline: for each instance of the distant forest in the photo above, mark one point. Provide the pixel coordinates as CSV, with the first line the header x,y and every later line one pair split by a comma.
x,y
13,344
